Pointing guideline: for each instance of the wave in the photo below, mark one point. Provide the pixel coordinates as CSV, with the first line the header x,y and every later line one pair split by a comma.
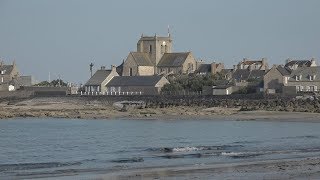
x,y
302,137
27,166
128,160
191,148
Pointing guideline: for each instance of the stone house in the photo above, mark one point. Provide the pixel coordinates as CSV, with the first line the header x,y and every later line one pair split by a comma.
x,y
252,64
9,75
136,85
245,77
154,56
97,83
305,79
274,79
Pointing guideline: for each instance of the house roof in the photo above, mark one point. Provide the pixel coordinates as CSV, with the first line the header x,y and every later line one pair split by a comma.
x,y
119,69
134,81
245,74
173,59
251,62
6,68
226,71
204,68
142,59
284,70
305,72
98,77
222,87
300,63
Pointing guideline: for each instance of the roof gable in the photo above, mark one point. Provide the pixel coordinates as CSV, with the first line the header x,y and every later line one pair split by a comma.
x,y
142,59
98,77
173,59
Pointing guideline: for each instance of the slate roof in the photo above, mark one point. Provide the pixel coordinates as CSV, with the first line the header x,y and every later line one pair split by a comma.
x,y
142,59
134,81
284,70
244,74
204,68
300,63
98,78
251,62
119,69
6,68
226,71
173,59
305,72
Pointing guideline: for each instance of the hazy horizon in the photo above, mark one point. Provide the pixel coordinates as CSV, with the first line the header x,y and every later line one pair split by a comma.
x,y
64,36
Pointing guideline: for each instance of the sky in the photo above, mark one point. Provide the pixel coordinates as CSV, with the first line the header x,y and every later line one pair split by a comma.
x,y
64,36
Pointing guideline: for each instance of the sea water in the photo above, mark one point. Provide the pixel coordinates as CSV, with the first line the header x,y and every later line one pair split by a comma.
x,y
42,148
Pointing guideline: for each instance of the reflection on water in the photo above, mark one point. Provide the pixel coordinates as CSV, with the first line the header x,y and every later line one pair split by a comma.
x,y
56,147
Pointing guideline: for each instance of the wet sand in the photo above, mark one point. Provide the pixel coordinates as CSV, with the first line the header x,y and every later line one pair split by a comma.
x,y
307,168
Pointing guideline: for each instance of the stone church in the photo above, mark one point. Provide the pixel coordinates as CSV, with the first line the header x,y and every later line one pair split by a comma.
x,y
154,56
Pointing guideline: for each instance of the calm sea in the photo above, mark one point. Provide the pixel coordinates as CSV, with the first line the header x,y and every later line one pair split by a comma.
x,y
41,148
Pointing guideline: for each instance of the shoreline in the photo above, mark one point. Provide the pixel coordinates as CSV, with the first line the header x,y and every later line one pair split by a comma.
x,y
271,169
81,109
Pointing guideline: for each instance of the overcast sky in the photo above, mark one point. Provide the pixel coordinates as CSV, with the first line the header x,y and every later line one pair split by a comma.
x,y
64,36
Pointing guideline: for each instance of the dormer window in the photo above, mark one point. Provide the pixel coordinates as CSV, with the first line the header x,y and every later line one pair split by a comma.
x,y
312,77
298,77
3,72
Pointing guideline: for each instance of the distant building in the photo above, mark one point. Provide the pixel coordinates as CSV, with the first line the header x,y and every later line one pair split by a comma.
x,y
9,75
97,83
26,81
294,64
136,85
212,69
253,64
274,79
154,56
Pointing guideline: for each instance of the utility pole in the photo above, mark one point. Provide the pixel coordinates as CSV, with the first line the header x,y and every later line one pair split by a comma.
x,y
91,65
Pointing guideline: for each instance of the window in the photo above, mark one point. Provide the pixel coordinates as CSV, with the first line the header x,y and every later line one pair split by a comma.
x,y
298,77
307,88
312,77
2,72
150,49
1,79
162,49
312,88
130,72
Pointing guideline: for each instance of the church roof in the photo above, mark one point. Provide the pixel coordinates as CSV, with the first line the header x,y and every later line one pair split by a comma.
x,y
98,77
134,81
142,59
173,59
6,69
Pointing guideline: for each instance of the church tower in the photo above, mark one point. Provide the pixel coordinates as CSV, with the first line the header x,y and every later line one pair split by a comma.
x,y
155,46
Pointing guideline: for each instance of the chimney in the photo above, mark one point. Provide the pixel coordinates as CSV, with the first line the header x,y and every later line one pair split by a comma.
x,y
103,67
234,67
313,62
213,68
288,60
113,68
